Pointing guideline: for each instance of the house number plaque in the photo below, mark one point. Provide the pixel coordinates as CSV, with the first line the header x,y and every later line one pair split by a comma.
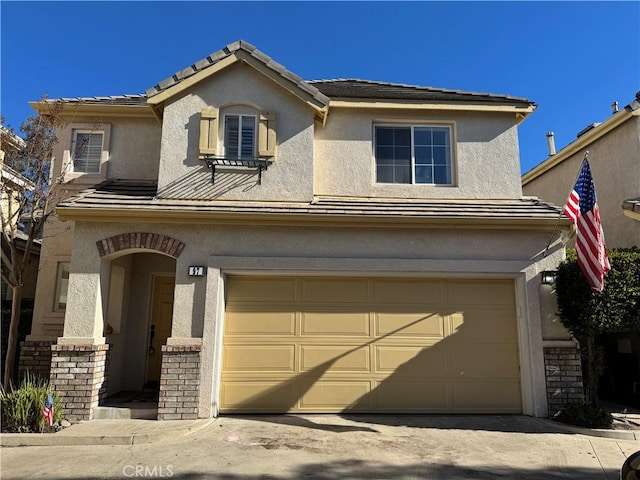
x,y
196,271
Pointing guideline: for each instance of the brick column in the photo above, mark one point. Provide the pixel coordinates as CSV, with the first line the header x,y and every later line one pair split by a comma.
x,y
35,358
179,382
79,375
564,377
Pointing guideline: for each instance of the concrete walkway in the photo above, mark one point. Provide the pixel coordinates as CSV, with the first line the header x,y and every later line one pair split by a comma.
x,y
132,431
325,447
108,432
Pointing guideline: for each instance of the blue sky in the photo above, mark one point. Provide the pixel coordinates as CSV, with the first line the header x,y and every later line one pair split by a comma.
x,y
572,58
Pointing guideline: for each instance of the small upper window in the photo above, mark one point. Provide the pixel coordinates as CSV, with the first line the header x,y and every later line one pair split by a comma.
x,y
86,151
418,154
239,136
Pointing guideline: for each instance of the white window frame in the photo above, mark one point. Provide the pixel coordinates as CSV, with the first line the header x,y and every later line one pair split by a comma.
x,y
60,289
255,133
68,168
412,127
75,147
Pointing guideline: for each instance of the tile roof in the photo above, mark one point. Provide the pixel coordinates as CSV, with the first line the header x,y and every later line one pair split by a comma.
x,y
140,196
357,88
321,90
227,51
134,99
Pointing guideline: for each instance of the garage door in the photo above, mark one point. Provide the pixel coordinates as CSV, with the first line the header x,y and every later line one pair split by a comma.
x,y
320,344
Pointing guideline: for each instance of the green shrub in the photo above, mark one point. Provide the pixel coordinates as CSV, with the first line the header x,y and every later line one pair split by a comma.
x,y
584,415
22,406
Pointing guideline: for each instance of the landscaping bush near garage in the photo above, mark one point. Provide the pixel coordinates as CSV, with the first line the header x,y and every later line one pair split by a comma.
x,y
22,407
590,315
584,415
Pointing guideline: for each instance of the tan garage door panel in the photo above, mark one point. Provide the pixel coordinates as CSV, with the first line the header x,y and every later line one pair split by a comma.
x,y
310,344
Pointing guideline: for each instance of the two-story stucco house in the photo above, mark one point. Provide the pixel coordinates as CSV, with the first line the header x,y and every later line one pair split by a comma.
x,y
250,242
614,157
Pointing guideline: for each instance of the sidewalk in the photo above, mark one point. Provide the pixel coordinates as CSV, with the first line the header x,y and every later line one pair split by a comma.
x,y
108,432
130,432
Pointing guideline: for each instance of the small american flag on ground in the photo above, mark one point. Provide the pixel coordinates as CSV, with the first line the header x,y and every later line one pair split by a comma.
x,y
47,411
582,209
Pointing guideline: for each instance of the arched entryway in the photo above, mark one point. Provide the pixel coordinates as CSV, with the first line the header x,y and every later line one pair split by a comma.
x,y
138,321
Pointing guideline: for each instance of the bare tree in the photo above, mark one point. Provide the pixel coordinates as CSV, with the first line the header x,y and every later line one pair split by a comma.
x,y
27,204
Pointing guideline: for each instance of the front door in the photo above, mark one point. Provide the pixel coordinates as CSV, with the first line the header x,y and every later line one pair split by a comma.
x,y
160,326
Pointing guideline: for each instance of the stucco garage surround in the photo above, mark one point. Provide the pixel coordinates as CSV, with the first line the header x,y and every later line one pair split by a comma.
x,y
334,344
512,255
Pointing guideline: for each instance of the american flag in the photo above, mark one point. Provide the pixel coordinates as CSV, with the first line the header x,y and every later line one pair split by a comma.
x,y
47,411
582,209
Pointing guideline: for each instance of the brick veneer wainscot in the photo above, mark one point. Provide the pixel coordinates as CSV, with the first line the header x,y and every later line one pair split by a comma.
x,y
564,377
35,358
179,382
79,374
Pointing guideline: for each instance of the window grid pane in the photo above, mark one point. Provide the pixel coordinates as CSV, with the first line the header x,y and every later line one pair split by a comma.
x,y
239,136
231,136
246,141
393,154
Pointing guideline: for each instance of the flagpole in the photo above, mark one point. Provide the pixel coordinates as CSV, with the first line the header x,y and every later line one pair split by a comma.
x,y
546,250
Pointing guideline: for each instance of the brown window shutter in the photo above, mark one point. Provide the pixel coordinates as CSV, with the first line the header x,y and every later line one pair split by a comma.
x,y
267,135
208,131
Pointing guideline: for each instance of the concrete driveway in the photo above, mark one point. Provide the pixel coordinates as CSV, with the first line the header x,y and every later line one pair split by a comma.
x,y
331,447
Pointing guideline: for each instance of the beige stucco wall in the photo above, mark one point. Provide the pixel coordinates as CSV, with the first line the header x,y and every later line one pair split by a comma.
x,y
183,175
56,247
134,152
486,157
198,313
615,166
133,148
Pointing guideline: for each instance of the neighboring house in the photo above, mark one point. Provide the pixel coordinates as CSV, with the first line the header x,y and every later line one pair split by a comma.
x,y
250,242
11,189
614,157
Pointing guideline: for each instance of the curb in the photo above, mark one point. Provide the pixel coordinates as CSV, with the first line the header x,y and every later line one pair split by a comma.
x,y
56,439
594,432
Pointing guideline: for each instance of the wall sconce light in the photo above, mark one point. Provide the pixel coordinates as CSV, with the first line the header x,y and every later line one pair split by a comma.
x,y
549,277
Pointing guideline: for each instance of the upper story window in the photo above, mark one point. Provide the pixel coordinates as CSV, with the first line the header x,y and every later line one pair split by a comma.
x,y
87,151
239,136
86,154
414,154
245,133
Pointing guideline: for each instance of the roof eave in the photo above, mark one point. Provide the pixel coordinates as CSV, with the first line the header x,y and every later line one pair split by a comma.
x,y
240,218
372,103
94,109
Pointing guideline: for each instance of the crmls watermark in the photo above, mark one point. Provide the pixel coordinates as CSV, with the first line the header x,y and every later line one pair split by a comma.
x,y
148,471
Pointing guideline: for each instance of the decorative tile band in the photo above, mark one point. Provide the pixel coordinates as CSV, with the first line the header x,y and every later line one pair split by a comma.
x,y
142,240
